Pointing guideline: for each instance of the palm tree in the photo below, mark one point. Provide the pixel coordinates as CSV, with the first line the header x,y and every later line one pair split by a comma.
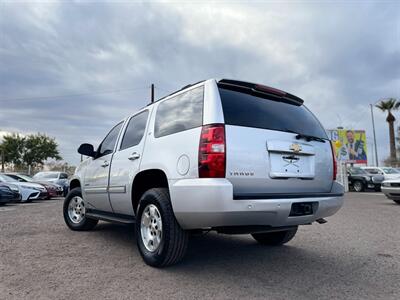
x,y
390,105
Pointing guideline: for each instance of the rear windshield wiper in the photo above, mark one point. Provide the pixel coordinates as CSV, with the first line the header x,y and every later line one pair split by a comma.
x,y
306,137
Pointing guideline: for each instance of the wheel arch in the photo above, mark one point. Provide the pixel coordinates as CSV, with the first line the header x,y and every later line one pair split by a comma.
x,y
74,183
145,180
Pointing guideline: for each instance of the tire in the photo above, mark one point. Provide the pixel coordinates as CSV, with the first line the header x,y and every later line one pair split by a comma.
x,y
397,201
159,248
358,186
377,189
80,223
275,238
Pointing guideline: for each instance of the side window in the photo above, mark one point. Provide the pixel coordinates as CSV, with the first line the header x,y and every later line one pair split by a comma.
x,y
107,145
180,113
63,176
135,130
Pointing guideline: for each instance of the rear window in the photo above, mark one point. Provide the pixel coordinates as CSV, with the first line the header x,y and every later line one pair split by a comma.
x,y
251,111
180,113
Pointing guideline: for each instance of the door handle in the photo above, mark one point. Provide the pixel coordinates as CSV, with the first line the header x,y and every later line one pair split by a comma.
x,y
105,164
134,156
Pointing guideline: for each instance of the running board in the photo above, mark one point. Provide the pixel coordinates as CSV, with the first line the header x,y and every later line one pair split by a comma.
x,y
110,217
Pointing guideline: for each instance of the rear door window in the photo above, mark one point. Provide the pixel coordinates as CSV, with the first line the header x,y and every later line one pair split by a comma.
x,y
179,113
247,110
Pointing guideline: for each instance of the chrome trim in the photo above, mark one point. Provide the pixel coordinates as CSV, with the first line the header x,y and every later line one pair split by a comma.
x,y
117,189
96,190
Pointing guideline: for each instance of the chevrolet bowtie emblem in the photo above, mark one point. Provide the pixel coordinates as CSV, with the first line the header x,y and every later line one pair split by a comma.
x,y
296,148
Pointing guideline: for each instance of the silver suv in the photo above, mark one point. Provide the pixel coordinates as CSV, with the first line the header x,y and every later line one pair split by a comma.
x,y
223,155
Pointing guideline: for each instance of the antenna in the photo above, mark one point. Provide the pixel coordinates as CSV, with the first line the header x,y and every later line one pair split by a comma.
x,y
152,93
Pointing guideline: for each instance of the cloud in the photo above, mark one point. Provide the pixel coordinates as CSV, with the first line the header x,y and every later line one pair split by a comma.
x,y
339,57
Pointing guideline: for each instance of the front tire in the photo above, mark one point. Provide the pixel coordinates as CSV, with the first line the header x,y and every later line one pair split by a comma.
x,y
275,238
160,239
358,186
75,213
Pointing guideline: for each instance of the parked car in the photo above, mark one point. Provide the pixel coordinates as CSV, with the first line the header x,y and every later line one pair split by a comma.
x,y
29,191
8,194
59,178
391,189
387,172
53,189
229,156
359,179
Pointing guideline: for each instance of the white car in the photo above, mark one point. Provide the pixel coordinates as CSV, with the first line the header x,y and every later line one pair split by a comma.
x,y
29,191
387,172
223,155
391,189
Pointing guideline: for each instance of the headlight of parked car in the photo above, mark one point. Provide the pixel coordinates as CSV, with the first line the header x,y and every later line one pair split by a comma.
x,y
385,183
14,188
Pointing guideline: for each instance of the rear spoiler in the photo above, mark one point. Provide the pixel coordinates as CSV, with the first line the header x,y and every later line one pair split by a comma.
x,y
260,90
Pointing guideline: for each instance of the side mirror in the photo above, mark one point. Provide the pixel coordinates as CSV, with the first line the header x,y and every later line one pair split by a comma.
x,y
87,150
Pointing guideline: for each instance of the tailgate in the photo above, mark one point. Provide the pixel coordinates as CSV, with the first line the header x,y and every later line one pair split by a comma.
x,y
263,161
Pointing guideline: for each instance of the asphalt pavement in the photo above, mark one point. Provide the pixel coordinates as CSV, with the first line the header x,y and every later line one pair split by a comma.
x,y
356,255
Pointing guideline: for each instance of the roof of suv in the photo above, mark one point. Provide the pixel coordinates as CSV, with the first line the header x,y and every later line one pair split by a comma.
x,y
246,87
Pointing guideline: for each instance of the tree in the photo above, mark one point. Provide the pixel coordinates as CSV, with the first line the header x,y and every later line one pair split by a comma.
x,y
31,150
13,147
388,106
38,148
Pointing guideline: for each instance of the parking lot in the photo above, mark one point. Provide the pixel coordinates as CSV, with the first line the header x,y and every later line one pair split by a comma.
x,y
354,256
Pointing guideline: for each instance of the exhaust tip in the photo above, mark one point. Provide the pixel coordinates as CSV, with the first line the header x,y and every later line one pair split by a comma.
x,y
321,221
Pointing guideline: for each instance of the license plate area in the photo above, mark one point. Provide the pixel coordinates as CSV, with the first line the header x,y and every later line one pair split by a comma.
x,y
289,165
303,209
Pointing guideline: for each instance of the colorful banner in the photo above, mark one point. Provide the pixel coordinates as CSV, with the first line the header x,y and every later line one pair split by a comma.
x,y
350,145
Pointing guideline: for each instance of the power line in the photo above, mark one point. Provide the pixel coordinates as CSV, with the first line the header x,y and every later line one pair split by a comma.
x,y
73,95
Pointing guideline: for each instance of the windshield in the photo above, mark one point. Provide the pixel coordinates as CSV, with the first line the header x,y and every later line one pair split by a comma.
x,y
24,177
390,171
5,178
247,110
357,171
46,175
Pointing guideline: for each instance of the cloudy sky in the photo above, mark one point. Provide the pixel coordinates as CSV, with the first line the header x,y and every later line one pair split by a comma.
x,y
72,70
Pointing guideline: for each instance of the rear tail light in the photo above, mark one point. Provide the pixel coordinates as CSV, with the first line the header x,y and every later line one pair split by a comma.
x,y
334,161
212,155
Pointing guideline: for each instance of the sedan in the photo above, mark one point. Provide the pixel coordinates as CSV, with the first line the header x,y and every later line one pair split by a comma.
x,y
391,189
53,190
8,194
29,191
59,178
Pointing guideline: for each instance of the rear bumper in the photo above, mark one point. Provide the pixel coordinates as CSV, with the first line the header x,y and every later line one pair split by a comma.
x,y
209,203
391,192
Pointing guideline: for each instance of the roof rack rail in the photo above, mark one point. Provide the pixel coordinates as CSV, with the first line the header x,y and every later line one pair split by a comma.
x,y
181,89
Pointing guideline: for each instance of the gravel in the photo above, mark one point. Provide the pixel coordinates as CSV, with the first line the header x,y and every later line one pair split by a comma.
x,y
356,255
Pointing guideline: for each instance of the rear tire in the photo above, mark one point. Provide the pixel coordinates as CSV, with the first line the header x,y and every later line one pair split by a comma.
x,y
74,212
275,238
160,239
358,186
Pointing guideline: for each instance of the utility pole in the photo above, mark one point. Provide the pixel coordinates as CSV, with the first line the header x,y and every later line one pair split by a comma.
x,y
373,129
152,92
